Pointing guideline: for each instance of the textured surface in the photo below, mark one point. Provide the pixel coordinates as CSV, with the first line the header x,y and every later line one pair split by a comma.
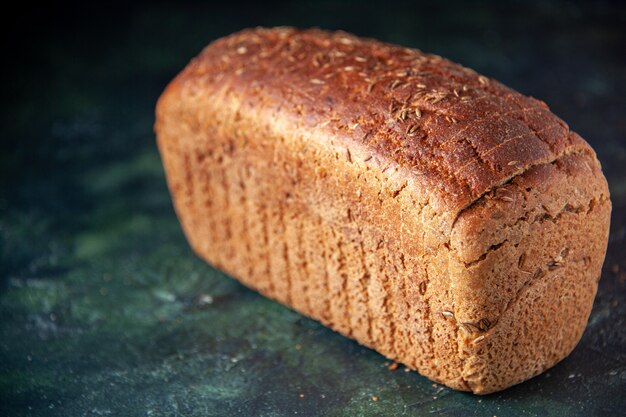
x,y
346,178
101,301
458,132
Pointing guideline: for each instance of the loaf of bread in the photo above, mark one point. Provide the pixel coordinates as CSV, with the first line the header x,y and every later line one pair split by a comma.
x,y
426,211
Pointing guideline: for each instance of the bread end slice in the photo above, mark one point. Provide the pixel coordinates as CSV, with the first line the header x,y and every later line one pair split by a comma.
x,y
526,259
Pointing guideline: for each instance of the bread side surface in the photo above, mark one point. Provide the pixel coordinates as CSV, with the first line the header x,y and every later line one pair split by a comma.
x,y
308,225
352,180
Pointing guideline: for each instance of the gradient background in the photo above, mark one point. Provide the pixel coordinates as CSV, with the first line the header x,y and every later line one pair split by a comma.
x,y
104,310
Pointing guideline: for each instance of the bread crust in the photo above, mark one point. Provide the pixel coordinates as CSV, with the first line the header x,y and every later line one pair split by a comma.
x,y
401,199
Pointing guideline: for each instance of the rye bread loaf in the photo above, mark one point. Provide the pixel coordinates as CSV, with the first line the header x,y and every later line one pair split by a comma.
x,y
426,211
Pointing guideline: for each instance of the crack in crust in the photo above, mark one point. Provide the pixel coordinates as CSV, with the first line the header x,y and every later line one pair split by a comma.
x,y
538,218
573,150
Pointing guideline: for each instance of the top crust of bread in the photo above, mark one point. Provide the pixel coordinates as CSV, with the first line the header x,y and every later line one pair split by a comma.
x,y
456,134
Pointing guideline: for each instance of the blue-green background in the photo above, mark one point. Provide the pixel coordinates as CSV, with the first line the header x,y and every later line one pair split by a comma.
x,y
104,310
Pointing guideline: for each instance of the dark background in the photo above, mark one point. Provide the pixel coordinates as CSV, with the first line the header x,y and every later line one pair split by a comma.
x,y
104,310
